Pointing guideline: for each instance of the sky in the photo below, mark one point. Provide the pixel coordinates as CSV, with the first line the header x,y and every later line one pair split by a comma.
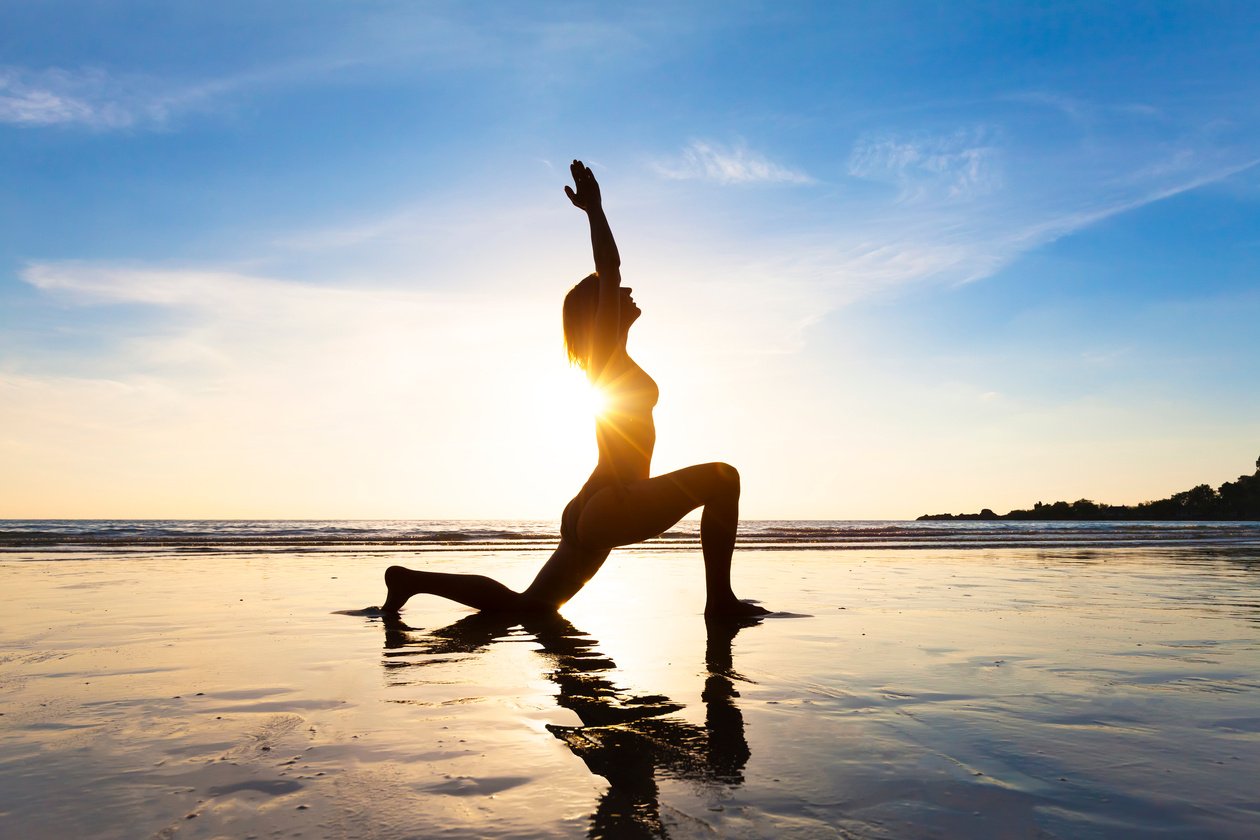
x,y
306,260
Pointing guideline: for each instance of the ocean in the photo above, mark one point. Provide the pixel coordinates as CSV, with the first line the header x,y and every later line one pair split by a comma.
x,y
87,536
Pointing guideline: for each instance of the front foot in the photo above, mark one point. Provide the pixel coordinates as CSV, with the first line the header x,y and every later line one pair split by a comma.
x,y
733,608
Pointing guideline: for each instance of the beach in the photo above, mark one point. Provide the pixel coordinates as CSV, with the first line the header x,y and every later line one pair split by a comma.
x,y
1008,691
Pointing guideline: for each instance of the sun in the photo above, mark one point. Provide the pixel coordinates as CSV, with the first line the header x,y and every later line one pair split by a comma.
x,y
573,397
566,397
590,400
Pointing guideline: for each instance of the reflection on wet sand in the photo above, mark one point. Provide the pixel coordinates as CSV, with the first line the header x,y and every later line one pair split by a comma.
x,y
624,737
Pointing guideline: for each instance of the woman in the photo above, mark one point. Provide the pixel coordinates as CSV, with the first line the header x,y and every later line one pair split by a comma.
x,y
619,504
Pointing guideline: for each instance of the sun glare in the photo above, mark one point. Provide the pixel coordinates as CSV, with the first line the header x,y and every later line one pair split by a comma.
x,y
593,400
574,397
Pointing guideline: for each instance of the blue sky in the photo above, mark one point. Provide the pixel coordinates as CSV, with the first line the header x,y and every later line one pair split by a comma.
x,y
307,259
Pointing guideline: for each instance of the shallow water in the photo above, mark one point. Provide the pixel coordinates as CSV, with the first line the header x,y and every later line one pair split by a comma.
x,y
1107,692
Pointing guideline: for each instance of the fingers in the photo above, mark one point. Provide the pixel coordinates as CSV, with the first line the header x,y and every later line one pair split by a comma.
x,y
587,188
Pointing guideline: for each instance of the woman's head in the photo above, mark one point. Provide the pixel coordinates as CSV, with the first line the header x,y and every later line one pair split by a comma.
x,y
579,317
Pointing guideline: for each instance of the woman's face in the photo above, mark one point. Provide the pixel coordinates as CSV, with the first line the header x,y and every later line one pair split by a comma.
x,y
630,311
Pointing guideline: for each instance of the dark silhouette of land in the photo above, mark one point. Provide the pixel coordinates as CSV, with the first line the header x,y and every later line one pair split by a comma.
x,y
1231,502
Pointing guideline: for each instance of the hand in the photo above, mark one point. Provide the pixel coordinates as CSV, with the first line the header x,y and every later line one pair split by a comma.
x,y
586,196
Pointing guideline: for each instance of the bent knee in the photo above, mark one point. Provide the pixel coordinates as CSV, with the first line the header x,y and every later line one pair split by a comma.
x,y
727,475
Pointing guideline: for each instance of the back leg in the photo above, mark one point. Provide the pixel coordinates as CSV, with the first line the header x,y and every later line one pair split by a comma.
x,y
477,591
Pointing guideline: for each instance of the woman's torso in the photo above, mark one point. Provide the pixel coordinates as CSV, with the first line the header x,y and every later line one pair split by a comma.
x,y
624,429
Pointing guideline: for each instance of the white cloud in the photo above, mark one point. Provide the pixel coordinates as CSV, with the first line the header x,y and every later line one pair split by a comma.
x,y
105,101
1055,225
93,283
92,98
959,165
389,42
727,165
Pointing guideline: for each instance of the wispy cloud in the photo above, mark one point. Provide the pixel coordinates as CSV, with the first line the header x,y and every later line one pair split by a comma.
x,y
1056,226
92,98
960,164
395,42
735,164
90,283
105,100
1086,113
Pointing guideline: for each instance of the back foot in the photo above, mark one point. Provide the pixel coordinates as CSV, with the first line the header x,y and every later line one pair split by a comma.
x,y
396,589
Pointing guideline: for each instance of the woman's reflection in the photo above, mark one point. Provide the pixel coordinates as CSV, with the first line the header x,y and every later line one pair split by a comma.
x,y
626,738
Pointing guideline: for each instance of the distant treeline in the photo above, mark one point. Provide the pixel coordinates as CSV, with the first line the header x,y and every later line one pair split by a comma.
x,y
1233,500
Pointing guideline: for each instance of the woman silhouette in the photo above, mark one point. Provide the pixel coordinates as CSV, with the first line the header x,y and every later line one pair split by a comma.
x,y
619,504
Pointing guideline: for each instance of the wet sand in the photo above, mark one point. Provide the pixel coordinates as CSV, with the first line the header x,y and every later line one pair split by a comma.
x,y
1007,693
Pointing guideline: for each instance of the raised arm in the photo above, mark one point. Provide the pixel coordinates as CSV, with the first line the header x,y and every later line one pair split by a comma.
x,y
607,326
